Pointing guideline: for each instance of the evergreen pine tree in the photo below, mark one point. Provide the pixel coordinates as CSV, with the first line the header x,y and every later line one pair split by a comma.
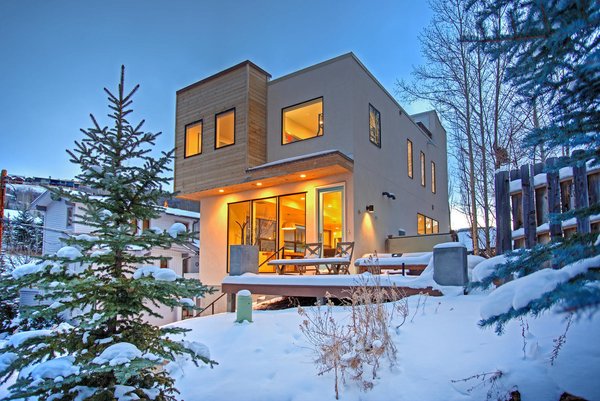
x,y
25,235
108,351
556,53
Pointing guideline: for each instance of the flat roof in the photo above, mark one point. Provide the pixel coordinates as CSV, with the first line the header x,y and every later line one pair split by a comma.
x,y
224,72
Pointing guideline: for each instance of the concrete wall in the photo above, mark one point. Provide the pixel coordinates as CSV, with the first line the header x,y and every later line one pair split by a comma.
x,y
418,243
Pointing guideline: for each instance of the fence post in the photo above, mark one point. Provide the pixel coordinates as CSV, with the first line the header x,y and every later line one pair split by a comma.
x,y
529,223
581,192
504,233
553,199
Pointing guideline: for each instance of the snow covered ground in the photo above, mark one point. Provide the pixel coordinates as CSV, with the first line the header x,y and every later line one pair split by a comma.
x,y
269,359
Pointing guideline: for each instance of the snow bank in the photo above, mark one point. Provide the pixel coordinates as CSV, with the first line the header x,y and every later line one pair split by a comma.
x,y
521,292
118,354
445,245
484,269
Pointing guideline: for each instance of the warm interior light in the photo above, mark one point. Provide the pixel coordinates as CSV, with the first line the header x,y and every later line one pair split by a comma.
x,y
302,198
302,175
221,190
258,184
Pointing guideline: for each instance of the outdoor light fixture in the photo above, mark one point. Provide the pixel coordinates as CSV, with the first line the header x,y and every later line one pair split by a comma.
x,y
390,195
370,208
221,190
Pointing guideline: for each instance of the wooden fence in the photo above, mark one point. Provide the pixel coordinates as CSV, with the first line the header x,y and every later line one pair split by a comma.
x,y
526,197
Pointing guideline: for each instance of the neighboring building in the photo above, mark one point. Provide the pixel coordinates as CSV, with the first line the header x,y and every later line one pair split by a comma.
x,y
540,202
324,154
59,222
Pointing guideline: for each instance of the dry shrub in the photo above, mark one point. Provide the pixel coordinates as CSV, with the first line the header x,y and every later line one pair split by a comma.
x,y
354,346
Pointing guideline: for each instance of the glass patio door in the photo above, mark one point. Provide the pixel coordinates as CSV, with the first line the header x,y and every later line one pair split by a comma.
x,y
330,218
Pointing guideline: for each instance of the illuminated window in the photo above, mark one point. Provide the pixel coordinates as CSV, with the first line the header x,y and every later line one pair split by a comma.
x,y
225,129
146,224
164,263
420,224
427,225
409,157
302,121
432,177
193,139
422,169
374,126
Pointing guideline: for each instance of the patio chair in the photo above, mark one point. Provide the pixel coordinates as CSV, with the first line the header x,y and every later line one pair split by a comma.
x,y
343,250
312,251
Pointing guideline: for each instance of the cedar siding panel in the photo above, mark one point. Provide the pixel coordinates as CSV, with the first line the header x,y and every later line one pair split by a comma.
x,y
239,88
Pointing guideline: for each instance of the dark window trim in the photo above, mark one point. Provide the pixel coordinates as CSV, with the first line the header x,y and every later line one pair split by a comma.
x,y
234,120
411,170
258,199
423,167
297,104
201,121
433,180
378,128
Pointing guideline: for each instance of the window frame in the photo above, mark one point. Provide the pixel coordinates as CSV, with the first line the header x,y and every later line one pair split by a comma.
x,y
298,104
423,168
433,180
434,225
216,126
410,161
185,132
378,144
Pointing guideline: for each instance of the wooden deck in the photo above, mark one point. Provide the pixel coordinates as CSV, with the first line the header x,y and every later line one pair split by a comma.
x,y
316,291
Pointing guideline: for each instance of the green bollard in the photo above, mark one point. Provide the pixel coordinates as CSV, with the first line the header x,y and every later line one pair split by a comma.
x,y
244,306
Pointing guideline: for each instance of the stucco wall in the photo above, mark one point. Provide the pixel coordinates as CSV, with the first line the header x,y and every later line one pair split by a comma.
x,y
213,225
347,90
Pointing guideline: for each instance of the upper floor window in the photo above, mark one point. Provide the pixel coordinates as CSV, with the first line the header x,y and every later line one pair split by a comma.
x,y
374,126
432,177
225,128
193,139
409,157
302,121
422,169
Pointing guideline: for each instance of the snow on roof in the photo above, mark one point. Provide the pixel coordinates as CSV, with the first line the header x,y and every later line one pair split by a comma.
x,y
181,212
296,158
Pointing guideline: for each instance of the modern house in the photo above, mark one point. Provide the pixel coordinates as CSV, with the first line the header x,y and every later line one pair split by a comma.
x,y
60,222
324,154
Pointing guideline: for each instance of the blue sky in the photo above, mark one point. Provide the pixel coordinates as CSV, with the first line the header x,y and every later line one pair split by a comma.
x,y
58,55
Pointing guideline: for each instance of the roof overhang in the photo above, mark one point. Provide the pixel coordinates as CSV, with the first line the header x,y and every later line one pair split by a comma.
x,y
295,169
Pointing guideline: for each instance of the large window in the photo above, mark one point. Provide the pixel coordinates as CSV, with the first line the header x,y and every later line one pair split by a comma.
x,y
422,169
225,129
409,157
433,189
193,139
276,224
427,225
302,121
374,126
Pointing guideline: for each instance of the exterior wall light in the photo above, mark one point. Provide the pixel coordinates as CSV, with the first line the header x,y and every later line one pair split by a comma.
x,y
370,208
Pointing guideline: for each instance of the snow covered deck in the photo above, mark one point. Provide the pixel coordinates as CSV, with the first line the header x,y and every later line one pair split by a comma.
x,y
336,285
